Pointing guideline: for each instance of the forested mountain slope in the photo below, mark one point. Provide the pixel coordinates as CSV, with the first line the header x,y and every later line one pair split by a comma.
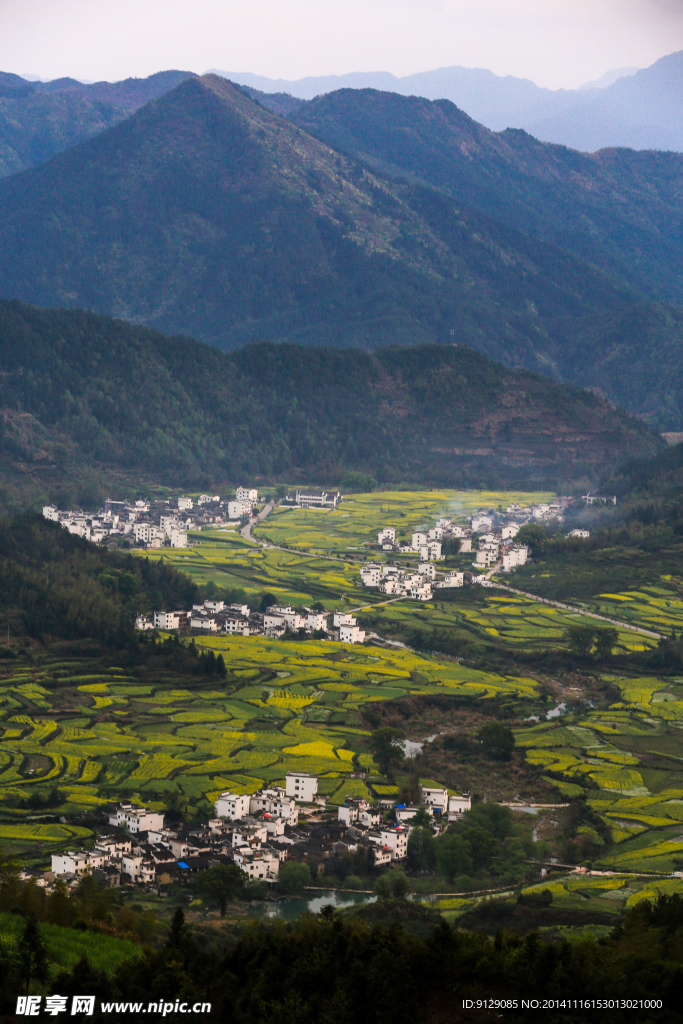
x,y
206,214
619,209
82,393
40,119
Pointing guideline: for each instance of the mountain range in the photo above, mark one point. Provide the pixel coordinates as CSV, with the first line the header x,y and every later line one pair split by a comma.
x,y
641,110
207,214
39,119
86,400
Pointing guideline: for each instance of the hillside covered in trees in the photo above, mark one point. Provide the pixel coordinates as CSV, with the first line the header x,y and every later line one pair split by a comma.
x,y
205,213
89,403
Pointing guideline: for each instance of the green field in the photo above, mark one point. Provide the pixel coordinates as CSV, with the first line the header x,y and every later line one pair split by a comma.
x,y
356,521
284,706
488,617
66,946
224,559
628,761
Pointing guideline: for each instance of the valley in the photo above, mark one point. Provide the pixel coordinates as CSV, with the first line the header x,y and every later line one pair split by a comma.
x,y
89,734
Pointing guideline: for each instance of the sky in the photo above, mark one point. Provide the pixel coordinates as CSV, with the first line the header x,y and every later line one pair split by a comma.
x,y
555,43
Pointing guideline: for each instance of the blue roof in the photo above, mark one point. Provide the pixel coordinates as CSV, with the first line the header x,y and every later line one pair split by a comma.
x,y
182,864
400,807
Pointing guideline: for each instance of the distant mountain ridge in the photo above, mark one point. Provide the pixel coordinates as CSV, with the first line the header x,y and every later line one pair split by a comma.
x,y
206,214
621,210
643,110
40,119
82,394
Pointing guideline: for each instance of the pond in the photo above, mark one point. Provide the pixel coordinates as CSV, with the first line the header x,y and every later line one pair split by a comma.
x,y
291,907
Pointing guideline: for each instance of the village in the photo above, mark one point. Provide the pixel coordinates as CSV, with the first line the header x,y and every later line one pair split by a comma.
x,y
490,537
153,524
257,832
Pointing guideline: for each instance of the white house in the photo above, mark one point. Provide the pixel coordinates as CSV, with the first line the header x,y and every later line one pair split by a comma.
x,y
178,538
286,614
204,620
434,798
457,805
405,814
257,863
273,623
431,551
50,512
419,539
370,574
144,533
136,819
343,619
317,499
428,570
391,585
351,634
249,494
582,534
514,556
452,579
387,535
396,839
317,621
185,504
170,620
237,509
276,802
485,558
301,786
168,523
232,806
510,531
73,862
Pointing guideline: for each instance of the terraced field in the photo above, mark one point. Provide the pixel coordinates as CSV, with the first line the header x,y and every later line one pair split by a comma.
x,y
357,520
284,706
223,558
489,616
628,761
658,607
94,734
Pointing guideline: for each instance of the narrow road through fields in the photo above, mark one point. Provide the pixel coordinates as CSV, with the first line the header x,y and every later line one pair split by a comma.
x,y
246,530
578,611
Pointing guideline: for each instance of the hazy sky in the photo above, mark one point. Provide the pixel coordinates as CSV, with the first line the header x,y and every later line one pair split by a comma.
x,y
556,43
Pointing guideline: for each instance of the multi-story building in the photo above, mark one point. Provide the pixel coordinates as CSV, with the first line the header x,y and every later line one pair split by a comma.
x,y
301,786
351,633
458,805
370,574
171,620
232,806
136,819
317,499
437,799
317,621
